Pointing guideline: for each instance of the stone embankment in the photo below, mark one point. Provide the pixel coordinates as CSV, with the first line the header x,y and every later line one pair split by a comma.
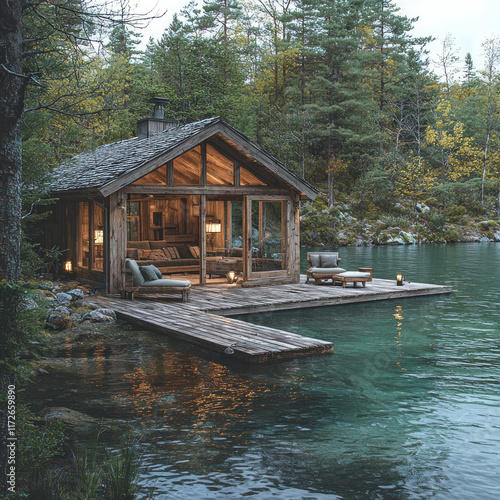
x,y
66,305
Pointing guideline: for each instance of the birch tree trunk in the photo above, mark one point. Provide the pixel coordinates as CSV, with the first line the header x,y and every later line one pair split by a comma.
x,y
12,87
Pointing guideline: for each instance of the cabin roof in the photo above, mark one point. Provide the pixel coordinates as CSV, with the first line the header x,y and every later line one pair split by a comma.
x,y
108,166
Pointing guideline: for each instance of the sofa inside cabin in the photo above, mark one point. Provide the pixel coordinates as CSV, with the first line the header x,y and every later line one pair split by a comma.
x,y
183,258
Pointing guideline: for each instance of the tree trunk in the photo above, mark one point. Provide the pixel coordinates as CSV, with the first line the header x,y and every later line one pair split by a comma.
x,y
12,85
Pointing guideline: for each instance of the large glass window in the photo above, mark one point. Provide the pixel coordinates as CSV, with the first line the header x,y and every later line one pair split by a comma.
x,y
98,238
268,236
158,176
249,179
133,221
220,170
187,168
83,246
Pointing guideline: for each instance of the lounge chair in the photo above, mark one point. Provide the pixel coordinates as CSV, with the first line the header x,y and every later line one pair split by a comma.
x,y
148,279
323,265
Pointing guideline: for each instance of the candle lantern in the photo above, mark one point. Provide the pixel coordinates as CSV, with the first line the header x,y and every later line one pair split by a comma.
x,y
68,267
231,277
399,279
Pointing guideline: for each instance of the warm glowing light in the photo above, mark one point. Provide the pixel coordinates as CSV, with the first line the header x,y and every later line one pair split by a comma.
x,y
231,277
99,236
213,226
399,278
68,266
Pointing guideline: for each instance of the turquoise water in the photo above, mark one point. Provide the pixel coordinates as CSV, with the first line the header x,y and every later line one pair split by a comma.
x,y
408,407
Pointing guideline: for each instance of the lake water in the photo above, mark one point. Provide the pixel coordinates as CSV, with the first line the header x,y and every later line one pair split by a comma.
x,y
408,407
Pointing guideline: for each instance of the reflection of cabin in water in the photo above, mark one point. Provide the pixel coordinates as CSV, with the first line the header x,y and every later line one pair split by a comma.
x,y
200,199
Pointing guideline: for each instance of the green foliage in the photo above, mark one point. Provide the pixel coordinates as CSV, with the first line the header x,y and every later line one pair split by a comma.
x,y
321,85
88,471
455,214
22,317
317,225
451,234
435,222
122,473
38,441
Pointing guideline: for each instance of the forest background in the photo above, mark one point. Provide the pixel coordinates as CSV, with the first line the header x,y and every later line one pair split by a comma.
x,y
340,92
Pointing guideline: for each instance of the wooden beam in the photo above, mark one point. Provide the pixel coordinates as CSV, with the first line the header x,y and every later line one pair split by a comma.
x,y
247,237
170,173
203,240
203,163
208,190
117,239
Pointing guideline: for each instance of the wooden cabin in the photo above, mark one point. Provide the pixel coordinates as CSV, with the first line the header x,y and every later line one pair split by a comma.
x,y
199,200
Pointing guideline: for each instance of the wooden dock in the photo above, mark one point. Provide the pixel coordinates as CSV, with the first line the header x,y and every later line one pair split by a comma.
x,y
204,319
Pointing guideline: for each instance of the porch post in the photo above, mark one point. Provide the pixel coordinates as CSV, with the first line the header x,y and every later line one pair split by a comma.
x,y
117,242
247,237
203,239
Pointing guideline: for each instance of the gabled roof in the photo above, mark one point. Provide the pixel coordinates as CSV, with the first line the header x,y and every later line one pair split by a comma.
x,y
107,167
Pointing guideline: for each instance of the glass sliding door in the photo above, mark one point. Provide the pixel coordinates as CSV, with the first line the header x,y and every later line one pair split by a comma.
x,y
268,237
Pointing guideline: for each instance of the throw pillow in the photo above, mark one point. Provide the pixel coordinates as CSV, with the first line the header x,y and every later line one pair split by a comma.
x,y
195,252
132,253
328,259
184,252
170,252
144,254
149,273
314,258
157,255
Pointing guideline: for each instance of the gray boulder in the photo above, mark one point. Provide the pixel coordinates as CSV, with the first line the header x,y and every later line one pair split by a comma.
x,y
71,418
97,316
77,294
63,299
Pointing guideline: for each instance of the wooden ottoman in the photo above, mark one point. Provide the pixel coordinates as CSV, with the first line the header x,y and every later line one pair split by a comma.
x,y
353,277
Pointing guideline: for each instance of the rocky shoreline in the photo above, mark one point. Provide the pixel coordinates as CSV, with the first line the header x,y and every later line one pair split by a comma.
x,y
326,227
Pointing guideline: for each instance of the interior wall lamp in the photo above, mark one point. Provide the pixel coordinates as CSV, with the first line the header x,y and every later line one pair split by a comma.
x,y
99,236
213,226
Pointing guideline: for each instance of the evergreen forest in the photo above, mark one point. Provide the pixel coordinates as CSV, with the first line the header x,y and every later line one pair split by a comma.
x,y
341,92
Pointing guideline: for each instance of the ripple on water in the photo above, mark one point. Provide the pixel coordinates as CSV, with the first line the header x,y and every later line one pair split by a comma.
x,y
408,407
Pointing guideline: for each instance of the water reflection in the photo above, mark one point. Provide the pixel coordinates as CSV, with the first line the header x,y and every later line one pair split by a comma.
x,y
406,408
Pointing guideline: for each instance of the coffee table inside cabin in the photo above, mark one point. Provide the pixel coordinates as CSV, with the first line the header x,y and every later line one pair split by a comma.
x,y
220,267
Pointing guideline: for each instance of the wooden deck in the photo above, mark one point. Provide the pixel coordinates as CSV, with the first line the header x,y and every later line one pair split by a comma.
x,y
203,320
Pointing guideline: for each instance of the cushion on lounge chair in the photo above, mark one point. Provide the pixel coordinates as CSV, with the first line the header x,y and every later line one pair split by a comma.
x,y
135,271
167,283
354,274
328,259
326,270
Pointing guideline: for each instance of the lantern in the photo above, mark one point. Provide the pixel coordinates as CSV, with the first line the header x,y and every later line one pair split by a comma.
x,y
399,279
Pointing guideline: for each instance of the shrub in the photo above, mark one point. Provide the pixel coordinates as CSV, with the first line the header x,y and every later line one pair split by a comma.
x,y
435,222
451,235
456,213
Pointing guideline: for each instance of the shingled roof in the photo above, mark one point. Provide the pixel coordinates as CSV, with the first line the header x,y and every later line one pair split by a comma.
x,y
107,163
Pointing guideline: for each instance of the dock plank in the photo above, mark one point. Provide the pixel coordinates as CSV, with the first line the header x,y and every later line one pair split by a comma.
x,y
206,319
